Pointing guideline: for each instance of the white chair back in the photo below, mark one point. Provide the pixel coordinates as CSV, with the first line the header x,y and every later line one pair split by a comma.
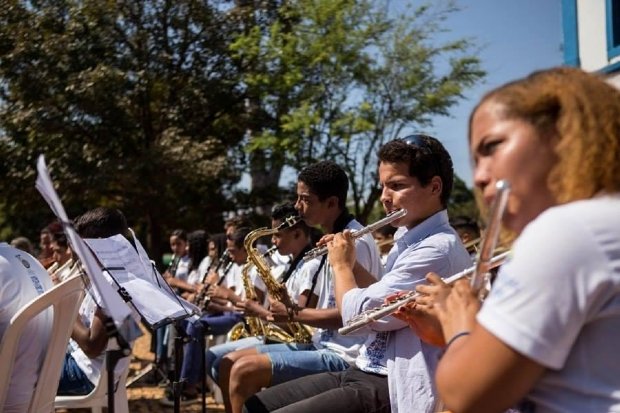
x,y
65,299
98,398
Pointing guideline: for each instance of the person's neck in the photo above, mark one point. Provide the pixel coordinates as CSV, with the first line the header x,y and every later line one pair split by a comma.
x,y
338,222
301,248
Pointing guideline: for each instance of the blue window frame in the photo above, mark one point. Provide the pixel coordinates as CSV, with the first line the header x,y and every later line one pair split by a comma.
x,y
571,33
613,28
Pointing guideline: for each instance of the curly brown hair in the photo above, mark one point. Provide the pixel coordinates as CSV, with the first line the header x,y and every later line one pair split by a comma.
x,y
582,111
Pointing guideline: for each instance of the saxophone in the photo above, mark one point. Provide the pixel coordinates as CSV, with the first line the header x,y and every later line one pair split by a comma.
x,y
251,326
301,333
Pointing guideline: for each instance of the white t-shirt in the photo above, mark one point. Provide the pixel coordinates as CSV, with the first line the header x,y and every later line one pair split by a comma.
x,y
301,278
182,270
557,301
367,254
23,278
234,280
92,366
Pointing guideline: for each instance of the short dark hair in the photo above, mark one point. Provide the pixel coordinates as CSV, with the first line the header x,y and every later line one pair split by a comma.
x,y
325,179
60,238
282,211
101,222
238,221
180,234
239,236
426,159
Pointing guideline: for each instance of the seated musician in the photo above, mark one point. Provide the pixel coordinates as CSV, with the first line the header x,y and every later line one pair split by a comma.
x,y
321,195
394,369
63,257
23,278
297,278
177,272
547,334
219,318
89,340
298,283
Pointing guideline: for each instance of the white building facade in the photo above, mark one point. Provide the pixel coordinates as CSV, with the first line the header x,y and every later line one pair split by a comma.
x,y
592,36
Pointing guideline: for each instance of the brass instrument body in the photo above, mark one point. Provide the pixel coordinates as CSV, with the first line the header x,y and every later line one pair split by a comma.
x,y
301,333
252,326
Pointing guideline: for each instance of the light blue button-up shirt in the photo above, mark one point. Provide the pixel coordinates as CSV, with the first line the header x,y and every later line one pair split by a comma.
x,y
391,347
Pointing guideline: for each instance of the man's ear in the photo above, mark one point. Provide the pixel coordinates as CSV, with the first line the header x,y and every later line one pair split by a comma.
x,y
332,202
436,185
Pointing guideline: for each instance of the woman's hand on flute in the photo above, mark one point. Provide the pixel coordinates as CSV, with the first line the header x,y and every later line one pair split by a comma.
x,y
457,312
424,324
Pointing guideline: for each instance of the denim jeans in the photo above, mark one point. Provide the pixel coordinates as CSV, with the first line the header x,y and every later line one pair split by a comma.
x,y
73,381
216,353
196,330
293,360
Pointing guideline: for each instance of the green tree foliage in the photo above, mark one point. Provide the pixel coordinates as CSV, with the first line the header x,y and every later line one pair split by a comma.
x,y
335,79
462,201
133,103
156,107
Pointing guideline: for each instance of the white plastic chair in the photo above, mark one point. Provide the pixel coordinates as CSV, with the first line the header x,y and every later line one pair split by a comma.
x,y
98,398
65,299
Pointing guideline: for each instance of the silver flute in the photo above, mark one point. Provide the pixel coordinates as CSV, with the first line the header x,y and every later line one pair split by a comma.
x,y
385,310
489,242
391,217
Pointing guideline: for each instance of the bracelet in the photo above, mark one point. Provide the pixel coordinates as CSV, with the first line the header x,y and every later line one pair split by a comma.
x,y
456,337
291,313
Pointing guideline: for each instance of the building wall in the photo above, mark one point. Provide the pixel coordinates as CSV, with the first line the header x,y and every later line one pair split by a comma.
x,y
592,34
586,37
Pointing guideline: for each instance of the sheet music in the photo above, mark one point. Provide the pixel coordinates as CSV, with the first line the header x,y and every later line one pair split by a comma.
x,y
112,303
127,266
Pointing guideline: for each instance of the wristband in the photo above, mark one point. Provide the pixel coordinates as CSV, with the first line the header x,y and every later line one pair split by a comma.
x,y
456,337
292,312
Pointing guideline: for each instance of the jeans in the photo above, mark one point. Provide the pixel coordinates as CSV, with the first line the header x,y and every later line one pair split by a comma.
x,y
293,360
73,381
215,354
196,330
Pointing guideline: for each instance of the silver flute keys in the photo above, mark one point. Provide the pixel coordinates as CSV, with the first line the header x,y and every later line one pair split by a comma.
x,y
385,310
391,217
489,242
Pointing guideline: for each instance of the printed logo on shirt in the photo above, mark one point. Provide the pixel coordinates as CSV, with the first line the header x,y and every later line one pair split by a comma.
x,y
23,261
37,284
375,351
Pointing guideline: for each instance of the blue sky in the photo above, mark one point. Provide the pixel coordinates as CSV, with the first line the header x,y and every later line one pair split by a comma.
x,y
516,37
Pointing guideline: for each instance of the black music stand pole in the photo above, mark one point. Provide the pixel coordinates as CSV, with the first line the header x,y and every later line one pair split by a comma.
x,y
176,384
112,357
